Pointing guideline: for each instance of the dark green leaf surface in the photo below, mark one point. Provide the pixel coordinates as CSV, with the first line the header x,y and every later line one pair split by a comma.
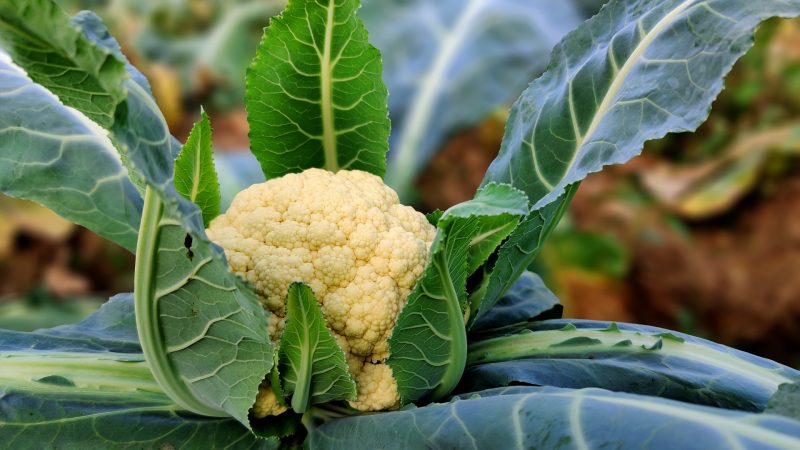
x,y
450,63
786,402
519,250
87,386
195,176
531,417
626,358
427,346
56,55
527,300
312,365
314,92
500,207
55,156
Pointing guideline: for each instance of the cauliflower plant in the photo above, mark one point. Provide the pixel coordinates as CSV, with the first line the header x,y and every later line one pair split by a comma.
x,y
345,235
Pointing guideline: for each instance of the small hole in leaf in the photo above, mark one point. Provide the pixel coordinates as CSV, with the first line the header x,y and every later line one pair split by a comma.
x,y
187,242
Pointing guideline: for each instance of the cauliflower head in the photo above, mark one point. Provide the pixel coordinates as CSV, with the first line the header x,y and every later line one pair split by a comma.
x,y
347,236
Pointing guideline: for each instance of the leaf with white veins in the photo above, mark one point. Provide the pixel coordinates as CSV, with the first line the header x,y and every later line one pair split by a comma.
x,y
314,92
312,365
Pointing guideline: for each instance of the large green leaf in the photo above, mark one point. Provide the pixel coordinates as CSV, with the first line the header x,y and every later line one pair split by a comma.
x,y
428,345
628,358
314,92
449,63
195,177
202,330
55,156
531,417
56,55
636,71
312,365
87,386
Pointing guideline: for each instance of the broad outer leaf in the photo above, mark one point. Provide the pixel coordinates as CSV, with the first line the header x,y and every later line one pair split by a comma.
x,y
428,344
450,63
312,365
56,156
627,358
533,417
55,54
786,402
636,71
87,386
202,330
195,177
314,92
200,326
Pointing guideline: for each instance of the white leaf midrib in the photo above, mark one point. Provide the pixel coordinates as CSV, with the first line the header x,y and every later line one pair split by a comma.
x,y
619,78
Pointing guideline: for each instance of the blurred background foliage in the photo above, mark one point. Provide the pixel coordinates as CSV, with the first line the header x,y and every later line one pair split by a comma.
x,y
700,234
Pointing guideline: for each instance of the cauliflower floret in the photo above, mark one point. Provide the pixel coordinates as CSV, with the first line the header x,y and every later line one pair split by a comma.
x,y
345,235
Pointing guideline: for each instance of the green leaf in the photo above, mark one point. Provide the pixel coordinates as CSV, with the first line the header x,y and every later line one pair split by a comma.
x,y
500,206
195,177
543,417
634,72
55,156
314,92
202,330
55,53
518,252
87,386
786,402
437,306
312,365
450,63
621,357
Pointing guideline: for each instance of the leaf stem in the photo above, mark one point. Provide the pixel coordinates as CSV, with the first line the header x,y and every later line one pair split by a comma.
x,y
458,332
147,320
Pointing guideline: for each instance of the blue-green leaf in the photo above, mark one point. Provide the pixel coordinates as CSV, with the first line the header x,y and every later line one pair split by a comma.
x,y
527,300
312,365
532,417
87,386
450,63
627,358
56,156
636,71
314,92
195,177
